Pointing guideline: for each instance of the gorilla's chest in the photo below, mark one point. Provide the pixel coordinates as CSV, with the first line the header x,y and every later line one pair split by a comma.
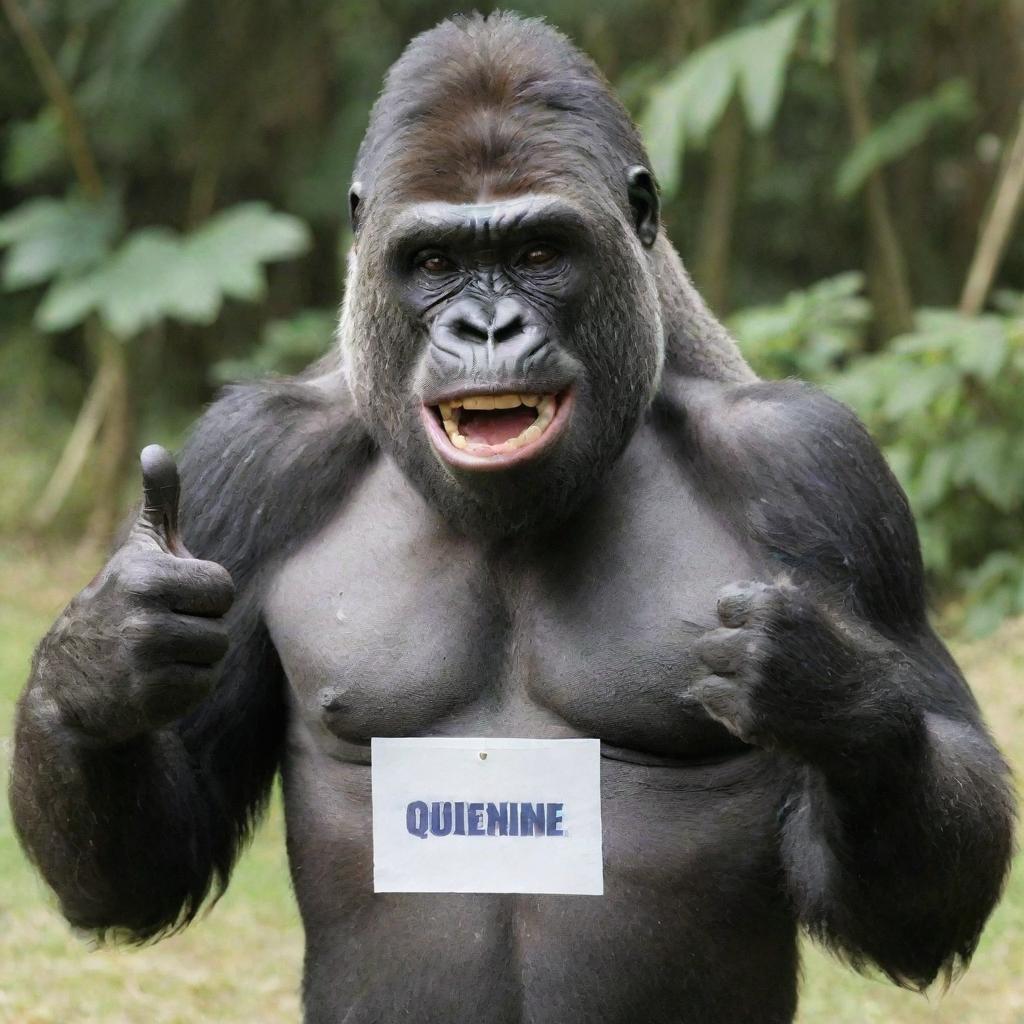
x,y
387,627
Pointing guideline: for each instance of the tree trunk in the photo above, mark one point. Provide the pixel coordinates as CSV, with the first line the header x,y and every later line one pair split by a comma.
x,y
91,416
887,272
995,233
721,194
114,446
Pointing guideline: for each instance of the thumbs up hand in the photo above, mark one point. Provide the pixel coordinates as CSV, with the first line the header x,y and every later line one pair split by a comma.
x,y
142,644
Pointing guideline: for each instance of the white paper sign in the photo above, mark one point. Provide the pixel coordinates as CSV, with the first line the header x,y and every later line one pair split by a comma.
x,y
487,815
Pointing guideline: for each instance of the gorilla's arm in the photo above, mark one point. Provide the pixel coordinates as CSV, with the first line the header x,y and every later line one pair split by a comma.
x,y
898,835
133,833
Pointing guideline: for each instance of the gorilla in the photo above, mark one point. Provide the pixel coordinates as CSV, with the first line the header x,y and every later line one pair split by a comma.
x,y
536,492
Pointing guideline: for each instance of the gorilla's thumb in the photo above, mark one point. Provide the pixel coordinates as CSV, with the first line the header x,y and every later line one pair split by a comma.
x,y
161,492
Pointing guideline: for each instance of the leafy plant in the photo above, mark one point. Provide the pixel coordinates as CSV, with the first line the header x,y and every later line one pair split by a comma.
x,y
157,273
286,346
810,333
50,239
945,402
749,61
154,273
904,130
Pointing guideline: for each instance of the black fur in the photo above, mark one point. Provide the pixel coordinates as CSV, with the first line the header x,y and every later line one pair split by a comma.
x,y
283,454
805,751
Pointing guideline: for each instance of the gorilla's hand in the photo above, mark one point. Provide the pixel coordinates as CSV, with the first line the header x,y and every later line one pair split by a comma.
x,y
140,646
785,673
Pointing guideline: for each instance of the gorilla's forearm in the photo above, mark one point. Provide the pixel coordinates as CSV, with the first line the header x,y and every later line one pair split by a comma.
x,y
132,834
122,833
900,861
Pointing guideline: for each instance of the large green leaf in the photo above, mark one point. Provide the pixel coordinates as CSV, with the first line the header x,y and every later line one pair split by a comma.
x,y
983,347
710,82
51,238
936,474
907,128
686,107
761,55
919,388
157,274
34,148
148,278
985,461
233,245
664,129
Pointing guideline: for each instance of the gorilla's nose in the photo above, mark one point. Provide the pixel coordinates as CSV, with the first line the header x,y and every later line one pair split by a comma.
x,y
473,321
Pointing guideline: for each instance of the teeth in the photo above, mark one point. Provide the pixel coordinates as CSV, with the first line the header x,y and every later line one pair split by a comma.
x,y
451,412
545,412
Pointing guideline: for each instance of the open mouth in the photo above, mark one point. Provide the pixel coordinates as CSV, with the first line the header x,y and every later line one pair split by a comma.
x,y
496,429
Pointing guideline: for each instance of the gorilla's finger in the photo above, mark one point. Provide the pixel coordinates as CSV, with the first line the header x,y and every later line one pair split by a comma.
x,y
725,651
729,704
161,488
738,603
184,639
191,586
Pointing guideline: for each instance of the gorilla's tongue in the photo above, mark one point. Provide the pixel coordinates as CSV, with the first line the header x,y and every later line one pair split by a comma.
x,y
495,426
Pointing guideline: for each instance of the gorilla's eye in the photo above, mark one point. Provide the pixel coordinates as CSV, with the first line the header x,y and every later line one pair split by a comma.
x,y
539,256
434,263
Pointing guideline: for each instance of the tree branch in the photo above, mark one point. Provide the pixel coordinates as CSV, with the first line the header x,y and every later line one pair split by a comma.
x,y
1006,202
82,159
894,304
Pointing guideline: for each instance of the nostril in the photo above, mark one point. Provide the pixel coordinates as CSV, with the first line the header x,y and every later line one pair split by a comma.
x,y
470,328
509,327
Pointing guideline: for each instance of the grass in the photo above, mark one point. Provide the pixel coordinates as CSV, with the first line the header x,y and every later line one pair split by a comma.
x,y
242,962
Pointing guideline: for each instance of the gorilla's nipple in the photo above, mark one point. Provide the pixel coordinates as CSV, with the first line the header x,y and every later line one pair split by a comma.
x,y
333,706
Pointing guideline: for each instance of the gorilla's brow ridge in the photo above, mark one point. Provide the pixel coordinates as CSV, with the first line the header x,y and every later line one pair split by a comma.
x,y
490,220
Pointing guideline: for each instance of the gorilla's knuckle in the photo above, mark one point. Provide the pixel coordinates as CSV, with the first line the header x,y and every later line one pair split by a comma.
x,y
138,630
218,580
138,581
210,585
722,650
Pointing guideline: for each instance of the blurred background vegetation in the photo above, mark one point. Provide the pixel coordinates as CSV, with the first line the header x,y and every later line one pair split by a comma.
x,y
842,178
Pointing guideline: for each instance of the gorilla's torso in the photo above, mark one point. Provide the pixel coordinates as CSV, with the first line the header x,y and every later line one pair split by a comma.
x,y
588,633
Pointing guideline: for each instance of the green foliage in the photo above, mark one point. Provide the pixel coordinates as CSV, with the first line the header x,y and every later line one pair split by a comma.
x,y
690,102
904,130
945,401
286,346
154,274
192,110
55,238
810,333
35,149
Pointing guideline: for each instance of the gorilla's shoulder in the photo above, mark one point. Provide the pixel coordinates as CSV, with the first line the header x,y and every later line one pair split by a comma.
x,y
783,416
815,491
266,463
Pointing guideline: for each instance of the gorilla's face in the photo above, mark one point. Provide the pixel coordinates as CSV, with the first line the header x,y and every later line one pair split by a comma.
x,y
502,351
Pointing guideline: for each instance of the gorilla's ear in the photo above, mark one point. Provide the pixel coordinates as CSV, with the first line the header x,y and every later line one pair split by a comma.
x,y
643,198
355,197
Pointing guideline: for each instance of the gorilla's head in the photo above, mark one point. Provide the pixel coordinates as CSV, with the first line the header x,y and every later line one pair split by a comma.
x,y
501,318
